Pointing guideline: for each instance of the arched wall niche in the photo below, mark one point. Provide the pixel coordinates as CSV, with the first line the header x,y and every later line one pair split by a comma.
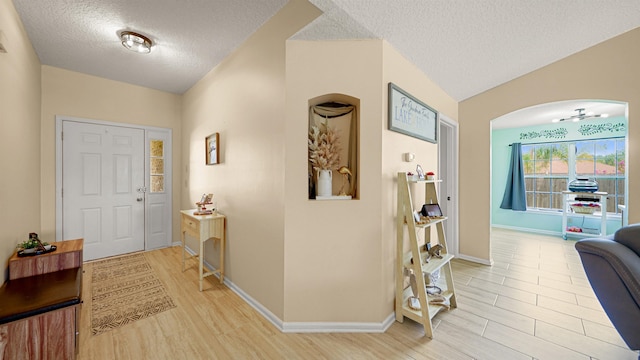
x,y
341,113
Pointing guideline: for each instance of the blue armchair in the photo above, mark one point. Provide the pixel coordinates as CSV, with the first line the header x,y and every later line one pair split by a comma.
x,y
612,266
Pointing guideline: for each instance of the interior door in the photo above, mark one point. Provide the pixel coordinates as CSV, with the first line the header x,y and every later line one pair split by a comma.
x,y
103,188
448,169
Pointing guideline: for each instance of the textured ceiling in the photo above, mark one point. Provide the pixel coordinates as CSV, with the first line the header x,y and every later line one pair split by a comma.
x,y
191,36
464,46
468,47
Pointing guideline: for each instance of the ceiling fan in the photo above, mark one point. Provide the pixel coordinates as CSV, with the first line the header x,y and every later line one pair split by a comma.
x,y
581,115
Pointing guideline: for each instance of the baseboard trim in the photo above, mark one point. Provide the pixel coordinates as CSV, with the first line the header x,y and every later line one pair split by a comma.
x,y
271,317
304,327
529,230
338,327
475,259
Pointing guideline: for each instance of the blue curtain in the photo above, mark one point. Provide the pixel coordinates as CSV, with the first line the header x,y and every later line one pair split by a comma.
x,y
515,197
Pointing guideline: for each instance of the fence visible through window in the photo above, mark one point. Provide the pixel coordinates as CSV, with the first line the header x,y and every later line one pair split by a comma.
x,y
549,167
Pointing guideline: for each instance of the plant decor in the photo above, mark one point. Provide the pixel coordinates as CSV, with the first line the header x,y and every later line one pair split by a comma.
x,y
324,147
31,244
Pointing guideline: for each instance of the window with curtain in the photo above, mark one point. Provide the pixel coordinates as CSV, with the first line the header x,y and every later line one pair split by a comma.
x,y
549,168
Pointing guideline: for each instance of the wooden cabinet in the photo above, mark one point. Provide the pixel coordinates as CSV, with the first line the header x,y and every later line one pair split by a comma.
x,y
412,260
52,334
68,255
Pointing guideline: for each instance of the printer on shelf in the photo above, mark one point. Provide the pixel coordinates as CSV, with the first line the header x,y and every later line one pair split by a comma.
x,y
583,184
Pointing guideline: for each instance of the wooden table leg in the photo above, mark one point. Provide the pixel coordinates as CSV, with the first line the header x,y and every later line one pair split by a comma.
x,y
222,241
184,245
201,262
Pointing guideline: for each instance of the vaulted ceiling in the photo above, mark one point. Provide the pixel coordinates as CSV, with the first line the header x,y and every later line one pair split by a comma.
x,y
466,47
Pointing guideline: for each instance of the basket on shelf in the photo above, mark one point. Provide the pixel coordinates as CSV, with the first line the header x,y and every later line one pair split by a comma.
x,y
585,208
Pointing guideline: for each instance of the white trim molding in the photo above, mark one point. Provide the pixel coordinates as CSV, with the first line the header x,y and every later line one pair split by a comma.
x,y
304,327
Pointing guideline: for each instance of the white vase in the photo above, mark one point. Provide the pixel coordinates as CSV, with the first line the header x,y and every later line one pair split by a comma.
x,y
325,179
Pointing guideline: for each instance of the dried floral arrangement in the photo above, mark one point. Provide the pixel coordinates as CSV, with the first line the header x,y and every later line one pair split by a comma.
x,y
324,147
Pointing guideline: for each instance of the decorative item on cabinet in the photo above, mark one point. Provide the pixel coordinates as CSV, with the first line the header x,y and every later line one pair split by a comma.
x,y
33,246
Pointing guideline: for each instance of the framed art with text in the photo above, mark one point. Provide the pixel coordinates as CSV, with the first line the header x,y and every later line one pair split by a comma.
x,y
410,116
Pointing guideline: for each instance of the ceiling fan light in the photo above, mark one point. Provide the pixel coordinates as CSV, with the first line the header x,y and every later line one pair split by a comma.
x,y
136,42
576,119
604,115
555,120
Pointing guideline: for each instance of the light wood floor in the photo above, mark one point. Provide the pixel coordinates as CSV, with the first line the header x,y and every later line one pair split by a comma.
x,y
534,303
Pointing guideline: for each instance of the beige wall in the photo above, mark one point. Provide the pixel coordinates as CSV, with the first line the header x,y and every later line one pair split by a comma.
x,y
332,248
404,74
19,135
609,71
340,255
74,94
243,100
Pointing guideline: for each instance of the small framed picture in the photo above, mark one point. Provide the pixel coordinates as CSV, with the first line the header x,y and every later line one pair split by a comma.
x,y
212,149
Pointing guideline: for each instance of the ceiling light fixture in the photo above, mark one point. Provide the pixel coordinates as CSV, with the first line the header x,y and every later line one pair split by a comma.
x,y
136,42
581,115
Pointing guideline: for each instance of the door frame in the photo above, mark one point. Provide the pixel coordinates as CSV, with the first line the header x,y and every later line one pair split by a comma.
x,y
168,166
450,153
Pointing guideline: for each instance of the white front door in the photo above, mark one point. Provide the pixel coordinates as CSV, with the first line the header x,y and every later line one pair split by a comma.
x,y
103,188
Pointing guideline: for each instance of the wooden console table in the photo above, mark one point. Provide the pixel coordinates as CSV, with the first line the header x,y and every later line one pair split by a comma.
x,y
39,312
203,228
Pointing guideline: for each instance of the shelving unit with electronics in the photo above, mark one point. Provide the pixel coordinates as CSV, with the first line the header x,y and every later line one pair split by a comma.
x,y
584,205
422,270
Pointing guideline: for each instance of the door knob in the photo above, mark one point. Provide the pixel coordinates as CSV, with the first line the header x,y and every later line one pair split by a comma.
x,y
139,199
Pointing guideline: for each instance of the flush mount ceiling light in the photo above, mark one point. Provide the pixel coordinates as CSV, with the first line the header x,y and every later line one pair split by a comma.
x,y
581,115
136,42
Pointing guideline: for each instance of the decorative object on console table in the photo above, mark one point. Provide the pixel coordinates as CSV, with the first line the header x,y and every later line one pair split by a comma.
x,y
410,116
202,205
212,149
431,175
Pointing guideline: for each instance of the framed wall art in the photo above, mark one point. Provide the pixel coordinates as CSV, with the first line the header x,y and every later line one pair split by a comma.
x,y
212,149
410,116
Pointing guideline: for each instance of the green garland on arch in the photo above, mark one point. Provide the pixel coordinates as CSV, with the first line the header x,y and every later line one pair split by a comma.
x,y
591,129
559,133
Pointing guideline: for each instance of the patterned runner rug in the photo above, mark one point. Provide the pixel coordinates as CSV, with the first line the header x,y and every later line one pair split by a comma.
x,y
124,290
